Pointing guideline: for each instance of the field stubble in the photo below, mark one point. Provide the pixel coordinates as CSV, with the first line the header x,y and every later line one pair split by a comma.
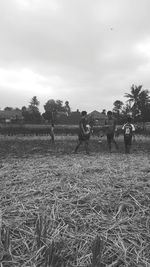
x,y
59,209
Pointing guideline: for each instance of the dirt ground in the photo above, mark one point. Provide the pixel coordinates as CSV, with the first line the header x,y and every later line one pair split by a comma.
x,y
55,202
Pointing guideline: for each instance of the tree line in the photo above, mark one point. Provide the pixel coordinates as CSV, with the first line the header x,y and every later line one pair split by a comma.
x,y
32,114
137,105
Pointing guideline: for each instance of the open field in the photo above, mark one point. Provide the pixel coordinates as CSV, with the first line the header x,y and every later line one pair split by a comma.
x,y
58,209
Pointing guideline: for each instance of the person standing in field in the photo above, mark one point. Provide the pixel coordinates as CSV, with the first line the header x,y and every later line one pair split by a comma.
x,y
52,127
128,130
110,124
84,132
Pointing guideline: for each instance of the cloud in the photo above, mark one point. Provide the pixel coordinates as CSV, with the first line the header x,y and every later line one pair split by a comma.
x,y
89,52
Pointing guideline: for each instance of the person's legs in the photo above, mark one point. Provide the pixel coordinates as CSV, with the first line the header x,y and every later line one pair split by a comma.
x,y
78,145
126,147
52,135
115,143
87,146
109,142
127,143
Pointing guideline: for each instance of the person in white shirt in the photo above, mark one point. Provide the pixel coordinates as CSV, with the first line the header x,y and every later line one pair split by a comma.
x,y
128,130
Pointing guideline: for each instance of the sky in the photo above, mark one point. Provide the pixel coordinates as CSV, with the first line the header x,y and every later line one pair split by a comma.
x,y
88,52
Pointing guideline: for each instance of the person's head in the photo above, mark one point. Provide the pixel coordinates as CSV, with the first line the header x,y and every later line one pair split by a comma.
x,y
129,119
83,113
109,114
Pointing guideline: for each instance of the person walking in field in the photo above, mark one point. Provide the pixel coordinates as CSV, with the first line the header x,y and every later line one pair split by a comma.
x,y
110,127
128,130
84,132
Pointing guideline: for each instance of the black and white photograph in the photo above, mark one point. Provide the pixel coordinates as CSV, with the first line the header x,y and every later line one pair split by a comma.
x,y
74,133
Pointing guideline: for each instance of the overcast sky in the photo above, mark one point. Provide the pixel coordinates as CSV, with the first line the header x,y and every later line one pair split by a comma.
x,y
88,52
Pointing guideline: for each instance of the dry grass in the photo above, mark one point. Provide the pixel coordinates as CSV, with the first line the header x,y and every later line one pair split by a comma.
x,y
59,209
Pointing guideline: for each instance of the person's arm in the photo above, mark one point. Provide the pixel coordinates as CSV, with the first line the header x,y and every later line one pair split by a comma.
x,y
52,126
133,128
133,131
91,123
114,125
122,129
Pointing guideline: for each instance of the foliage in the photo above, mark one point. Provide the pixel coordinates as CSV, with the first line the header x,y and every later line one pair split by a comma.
x,y
137,105
117,106
54,108
133,96
8,109
34,102
33,107
117,109
32,113
140,100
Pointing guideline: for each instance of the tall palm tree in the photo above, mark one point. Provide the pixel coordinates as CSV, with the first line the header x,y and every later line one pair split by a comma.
x,y
133,98
34,101
140,101
144,101
144,98
34,104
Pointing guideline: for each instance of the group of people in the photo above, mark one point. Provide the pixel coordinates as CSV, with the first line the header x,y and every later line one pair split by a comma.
x,y
110,127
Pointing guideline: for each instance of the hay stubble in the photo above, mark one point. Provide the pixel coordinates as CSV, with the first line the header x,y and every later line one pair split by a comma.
x,y
75,210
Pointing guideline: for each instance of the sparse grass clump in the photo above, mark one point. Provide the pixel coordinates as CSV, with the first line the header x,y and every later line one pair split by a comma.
x,y
59,209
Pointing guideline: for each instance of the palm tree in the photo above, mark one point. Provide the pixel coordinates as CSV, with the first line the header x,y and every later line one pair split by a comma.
x,y
34,101
126,109
140,99
144,101
134,97
34,104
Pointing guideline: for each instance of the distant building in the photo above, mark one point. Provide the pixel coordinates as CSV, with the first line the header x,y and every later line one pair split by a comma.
x,y
98,117
14,116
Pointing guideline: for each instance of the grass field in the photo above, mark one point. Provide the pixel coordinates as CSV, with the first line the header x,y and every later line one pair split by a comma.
x,y
60,209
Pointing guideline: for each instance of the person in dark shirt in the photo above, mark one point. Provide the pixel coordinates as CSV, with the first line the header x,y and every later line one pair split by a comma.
x,y
128,132
110,124
84,132
52,127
